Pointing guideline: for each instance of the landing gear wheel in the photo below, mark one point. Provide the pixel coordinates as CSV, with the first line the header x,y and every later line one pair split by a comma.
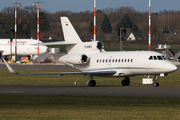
x,y
92,83
125,82
156,84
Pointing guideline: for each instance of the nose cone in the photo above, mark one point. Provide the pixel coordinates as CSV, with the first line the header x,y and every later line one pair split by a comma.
x,y
42,49
167,67
173,68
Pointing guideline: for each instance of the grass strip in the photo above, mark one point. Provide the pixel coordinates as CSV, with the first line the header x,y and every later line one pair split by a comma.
x,y
39,107
11,79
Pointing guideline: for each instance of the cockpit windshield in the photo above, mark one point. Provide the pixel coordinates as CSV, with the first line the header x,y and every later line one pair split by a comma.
x,y
164,58
157,57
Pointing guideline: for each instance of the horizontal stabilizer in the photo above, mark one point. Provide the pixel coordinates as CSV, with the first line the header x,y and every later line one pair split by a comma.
x,y
58,43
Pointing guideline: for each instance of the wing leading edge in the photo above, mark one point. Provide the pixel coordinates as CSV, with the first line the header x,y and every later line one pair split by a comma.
x,y
60,73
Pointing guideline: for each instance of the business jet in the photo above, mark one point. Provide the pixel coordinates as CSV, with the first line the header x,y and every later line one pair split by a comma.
x,y
91,59
24,47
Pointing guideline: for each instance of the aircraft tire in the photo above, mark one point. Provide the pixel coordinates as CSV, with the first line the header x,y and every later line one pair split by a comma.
x,y
156,84
125,83
92,83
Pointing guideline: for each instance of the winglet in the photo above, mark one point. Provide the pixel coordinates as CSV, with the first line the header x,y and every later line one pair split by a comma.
x,y
9,67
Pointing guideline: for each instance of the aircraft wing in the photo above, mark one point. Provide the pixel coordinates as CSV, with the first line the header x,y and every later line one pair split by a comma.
x,y
71,73
60,73
57,43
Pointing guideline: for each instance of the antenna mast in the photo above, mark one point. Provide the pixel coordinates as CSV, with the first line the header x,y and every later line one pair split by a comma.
x,y
149,25
15,31
37,24
94,20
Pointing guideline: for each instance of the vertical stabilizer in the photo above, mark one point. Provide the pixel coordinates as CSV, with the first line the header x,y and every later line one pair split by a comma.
x,y
68,30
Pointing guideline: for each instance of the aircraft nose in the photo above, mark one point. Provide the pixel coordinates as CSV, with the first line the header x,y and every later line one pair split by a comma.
x,y
173,67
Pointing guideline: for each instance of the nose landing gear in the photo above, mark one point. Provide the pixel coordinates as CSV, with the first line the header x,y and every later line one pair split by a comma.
x,y
156,84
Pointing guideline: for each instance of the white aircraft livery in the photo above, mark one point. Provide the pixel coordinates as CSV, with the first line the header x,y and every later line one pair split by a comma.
x,y
91,59
24,47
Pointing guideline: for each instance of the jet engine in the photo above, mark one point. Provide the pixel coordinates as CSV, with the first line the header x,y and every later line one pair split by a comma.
x,y
100,45
74,59
93,46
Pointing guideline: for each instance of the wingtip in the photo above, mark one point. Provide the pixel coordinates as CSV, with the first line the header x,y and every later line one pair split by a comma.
x,y
9,67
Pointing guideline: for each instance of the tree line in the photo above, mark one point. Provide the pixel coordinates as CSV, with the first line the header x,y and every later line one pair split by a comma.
x,y
165,24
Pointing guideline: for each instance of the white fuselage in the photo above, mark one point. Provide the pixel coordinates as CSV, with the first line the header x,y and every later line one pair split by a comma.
x,y
127,63
24,47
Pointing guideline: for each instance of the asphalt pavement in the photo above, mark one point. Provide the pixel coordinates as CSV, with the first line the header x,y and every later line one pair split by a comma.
x,y
147,91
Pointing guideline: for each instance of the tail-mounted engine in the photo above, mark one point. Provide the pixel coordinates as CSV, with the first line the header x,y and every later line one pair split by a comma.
x,y
100,45
74,59
93,46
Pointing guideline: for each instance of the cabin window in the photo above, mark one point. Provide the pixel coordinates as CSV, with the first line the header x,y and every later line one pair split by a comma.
x,y
125,60
164,57
122,60
119,60
159,58
155,58
106,60
113,60
128,60
109,60
116,60
97,60
131,60
103,60
150,58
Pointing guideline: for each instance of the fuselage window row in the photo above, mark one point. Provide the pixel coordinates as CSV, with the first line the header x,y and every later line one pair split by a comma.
x,y
114,60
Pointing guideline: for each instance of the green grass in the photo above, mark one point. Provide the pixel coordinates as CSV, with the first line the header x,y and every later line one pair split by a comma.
x,y
7,78
34,107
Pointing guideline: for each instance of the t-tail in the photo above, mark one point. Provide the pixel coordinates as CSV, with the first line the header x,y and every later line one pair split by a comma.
x,y
70,35
73,42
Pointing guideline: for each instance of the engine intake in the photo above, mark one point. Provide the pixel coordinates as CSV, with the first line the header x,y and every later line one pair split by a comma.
x,y
100,45
84,59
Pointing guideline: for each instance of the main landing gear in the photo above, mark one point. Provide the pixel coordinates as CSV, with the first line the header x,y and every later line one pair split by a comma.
x,y
156,84
90,81
126,81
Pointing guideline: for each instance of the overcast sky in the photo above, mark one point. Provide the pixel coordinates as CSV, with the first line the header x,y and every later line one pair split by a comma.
x,y
83,5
